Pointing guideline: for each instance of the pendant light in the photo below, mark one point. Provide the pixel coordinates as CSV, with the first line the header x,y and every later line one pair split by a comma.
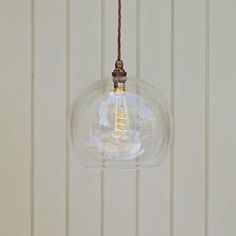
x,y
120,123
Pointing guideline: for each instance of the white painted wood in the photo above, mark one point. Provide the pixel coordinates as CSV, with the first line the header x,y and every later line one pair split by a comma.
x,y
222,115
119,203
15,118
119,186
43,188
189,107
155,39
50,117
85,67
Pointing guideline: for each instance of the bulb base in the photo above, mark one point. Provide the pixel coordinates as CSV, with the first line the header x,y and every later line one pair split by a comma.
x,y
119,83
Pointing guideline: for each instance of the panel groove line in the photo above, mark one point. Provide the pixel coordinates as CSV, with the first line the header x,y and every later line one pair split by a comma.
x,y
32,134
207,97
102,183
138,55
172,101
67,102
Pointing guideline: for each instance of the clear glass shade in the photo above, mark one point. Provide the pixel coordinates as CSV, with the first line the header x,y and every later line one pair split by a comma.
x,y
121,129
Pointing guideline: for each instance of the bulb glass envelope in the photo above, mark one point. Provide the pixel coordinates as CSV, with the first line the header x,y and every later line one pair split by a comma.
x,y
122,128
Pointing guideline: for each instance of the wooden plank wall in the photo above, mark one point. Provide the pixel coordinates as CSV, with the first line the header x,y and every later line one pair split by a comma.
x,y
51,50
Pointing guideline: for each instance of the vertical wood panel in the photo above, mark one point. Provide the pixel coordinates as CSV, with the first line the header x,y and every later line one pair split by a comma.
x,y
85,67
222,175
50,114
189,169
119,186
15,118
154,213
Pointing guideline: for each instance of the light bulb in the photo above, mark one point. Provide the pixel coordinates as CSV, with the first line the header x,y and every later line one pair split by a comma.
x,y
117,137
125,127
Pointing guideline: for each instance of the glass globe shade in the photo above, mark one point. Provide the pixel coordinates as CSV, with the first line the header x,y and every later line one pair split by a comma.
x,y
120,129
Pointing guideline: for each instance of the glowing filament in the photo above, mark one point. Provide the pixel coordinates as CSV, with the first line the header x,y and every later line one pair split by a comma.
x,y
120,122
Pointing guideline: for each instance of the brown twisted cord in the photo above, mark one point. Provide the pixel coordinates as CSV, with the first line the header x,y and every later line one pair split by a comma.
x,y
119,31
119,71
